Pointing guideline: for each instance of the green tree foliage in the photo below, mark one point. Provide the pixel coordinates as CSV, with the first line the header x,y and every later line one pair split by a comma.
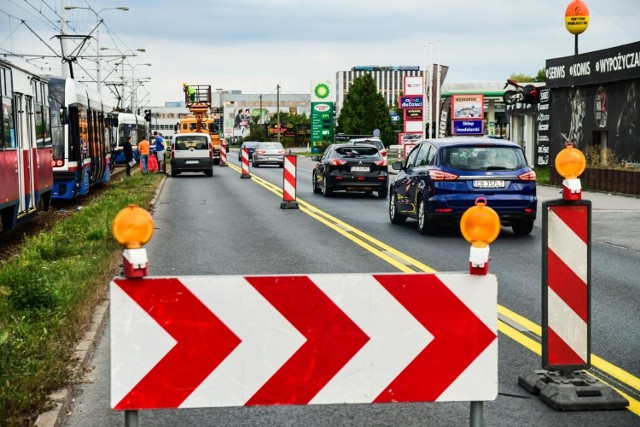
x,y
364,110
526,78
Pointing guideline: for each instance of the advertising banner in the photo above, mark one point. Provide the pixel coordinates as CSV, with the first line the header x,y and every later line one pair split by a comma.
x,y
413,85
410,101
467,127
467,106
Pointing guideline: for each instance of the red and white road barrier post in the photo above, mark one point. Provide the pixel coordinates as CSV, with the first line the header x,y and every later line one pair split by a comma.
x,y
566,300
223,156
245,164
289,182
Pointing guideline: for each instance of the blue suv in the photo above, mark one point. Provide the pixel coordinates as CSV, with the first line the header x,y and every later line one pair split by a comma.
x,y
441,178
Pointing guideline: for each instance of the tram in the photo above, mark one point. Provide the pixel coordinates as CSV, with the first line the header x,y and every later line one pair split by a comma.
x,y
121,125
26,175
81,149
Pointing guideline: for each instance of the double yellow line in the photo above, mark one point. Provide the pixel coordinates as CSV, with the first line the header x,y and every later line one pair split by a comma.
x,y
511,324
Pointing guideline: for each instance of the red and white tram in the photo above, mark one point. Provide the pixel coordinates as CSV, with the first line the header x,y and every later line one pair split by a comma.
x,y
26,173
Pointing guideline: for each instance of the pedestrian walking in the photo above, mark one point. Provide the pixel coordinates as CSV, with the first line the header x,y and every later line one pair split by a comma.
x,y
127,149
143,150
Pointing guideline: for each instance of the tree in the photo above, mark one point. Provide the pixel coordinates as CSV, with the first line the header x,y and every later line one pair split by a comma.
x,y
525,78
364,109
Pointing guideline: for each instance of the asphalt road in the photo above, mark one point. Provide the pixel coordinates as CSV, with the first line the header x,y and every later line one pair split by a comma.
x,y
228,225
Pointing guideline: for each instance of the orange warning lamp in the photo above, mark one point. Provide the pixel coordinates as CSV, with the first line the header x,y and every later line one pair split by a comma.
x,y
576,17
480,225
570,162
133,227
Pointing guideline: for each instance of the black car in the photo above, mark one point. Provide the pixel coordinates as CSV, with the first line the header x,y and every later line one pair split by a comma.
x,y
251,146
349,167
441,178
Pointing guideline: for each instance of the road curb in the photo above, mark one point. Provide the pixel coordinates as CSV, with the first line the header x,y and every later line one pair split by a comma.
x,y
62,400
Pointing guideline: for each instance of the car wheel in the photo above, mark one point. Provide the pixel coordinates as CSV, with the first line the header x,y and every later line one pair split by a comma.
x,y
394,216
173,173
316,189
209,172
383,192
326,190
425,226
254,164
281,165
523,227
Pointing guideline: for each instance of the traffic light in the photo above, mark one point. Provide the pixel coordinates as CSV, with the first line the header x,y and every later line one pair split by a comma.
x,y
147,115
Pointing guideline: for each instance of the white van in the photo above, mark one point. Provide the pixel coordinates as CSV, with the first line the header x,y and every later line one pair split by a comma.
x,y
191,152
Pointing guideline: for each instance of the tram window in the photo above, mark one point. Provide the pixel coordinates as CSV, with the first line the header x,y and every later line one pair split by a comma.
x,y
8,140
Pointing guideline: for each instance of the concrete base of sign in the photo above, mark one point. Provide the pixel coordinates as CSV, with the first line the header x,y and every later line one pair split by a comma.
x,y
289,205
222,165
574,391
245,176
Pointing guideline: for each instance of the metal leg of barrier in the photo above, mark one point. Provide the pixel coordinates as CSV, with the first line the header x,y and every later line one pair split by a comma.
x,y
131,418
476,414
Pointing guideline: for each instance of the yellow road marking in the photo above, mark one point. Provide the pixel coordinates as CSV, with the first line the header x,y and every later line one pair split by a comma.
x,y
378,248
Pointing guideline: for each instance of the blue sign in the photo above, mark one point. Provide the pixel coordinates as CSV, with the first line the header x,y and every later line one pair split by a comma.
x,y
467,127
410,102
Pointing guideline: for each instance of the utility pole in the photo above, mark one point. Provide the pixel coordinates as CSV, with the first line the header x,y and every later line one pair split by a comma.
x,y
278,110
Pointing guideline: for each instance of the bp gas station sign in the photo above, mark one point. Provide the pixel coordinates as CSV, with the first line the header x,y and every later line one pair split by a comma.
x,y
322,108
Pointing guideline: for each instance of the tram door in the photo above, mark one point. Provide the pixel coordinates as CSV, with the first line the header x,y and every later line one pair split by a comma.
x,y
25,156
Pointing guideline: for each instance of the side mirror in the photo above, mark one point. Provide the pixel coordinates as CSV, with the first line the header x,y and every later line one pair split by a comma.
x,y
315,158
64,117
397,165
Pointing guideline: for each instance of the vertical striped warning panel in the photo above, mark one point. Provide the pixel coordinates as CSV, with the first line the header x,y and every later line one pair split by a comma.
x,y
566,293
289,177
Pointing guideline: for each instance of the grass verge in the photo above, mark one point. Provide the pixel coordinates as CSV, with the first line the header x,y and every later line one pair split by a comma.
x,y
47,295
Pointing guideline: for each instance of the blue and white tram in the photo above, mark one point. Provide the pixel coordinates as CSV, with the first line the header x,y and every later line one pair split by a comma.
x,y
122,125
81,149
26,178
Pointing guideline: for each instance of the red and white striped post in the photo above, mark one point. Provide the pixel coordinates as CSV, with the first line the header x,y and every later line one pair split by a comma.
x,y
245,164
223,156
566,290
289,183
566,300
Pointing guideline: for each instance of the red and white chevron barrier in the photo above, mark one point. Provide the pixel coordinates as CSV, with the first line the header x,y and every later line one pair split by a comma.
x,y
289,183
209,341
245,164
566,295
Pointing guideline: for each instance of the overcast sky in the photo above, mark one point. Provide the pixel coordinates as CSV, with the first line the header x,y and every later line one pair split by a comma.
x,y
254,45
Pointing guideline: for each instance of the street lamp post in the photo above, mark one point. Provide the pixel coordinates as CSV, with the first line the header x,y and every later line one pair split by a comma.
x,y
100,21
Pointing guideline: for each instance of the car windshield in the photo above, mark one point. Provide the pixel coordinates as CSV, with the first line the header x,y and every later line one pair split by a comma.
x,y
250,144
195,142
483,158
357,151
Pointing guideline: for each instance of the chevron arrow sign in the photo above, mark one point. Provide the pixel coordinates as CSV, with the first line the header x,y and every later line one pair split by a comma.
x,y
209,341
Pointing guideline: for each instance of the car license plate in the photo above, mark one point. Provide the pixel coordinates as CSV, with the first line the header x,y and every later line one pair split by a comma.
x,y
489,183
191,162
359,168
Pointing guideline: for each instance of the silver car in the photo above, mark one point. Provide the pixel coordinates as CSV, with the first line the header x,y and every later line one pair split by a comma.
x,y
268,153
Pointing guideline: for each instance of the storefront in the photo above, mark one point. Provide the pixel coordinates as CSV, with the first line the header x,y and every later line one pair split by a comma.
x,y
595,102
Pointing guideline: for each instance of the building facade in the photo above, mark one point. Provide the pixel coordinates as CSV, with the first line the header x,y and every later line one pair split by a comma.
x,y
389,81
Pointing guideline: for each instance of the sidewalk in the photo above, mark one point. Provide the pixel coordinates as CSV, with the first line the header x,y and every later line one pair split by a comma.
x,y
615,218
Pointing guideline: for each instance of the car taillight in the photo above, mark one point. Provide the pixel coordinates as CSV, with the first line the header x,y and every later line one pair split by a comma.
x,y
438,175
261,151
383,153
281,151
381,162
173,150
337,162
528,176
